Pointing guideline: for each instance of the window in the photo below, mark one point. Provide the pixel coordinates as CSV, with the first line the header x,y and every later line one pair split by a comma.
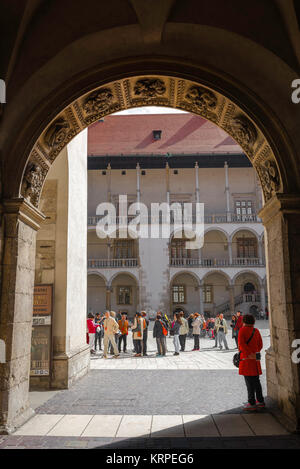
x,y
246,247
178,250
178,294
123,249
244,208
208,293
124,295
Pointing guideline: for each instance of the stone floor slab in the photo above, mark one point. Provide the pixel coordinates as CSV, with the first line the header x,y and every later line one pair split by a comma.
x,y
70,425
199,426
167,426
39,425
264,424
134,426
232,425
103,426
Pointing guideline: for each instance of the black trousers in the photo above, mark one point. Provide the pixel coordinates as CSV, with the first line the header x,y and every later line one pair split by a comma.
x,y
138,346
197,341
123,338
145,338
182,339
98,337
254,389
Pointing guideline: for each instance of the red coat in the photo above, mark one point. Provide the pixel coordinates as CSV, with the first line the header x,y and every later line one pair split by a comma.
x,y
91,326
239,323
249,366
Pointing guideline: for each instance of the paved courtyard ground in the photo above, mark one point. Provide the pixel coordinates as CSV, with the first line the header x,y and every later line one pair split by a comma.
x,y
192,400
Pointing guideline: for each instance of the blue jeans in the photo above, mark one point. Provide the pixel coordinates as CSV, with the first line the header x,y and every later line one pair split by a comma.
x,y
176,343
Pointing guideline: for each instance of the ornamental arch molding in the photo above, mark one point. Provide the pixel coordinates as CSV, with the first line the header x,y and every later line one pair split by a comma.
x,y
150,90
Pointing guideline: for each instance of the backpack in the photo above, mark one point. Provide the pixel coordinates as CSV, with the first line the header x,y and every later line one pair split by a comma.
x,y
165,332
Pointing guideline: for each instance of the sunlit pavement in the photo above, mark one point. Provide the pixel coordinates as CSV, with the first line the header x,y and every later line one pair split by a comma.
x,y
191,400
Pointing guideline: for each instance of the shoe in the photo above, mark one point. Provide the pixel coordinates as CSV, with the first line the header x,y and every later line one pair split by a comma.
x,y
104,356
176,353
249,406
261,405
194,349
116,356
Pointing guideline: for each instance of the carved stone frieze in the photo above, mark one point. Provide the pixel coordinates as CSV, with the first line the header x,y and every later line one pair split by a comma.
x,y
243,131
149,88
269,178
58,135
33,182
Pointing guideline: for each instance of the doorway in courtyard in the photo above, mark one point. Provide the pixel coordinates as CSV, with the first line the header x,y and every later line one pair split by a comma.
x,y
229,166
191,161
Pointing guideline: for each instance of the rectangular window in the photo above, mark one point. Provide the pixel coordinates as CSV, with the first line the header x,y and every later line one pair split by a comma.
x,y
244,209
208,293
123,249
178,294
124,295
246,247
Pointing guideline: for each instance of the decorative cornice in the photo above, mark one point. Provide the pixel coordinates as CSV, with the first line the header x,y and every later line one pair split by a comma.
x,y
24,211
284,203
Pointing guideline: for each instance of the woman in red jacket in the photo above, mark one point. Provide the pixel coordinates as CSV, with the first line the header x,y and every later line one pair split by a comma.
x,y
250,344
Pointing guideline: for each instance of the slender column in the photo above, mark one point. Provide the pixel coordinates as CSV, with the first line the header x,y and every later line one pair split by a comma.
x,y
108,298
231,298
21,221
197,182
228,214
168,182
138,190
201,299
260,252
108,182
230,251
262,298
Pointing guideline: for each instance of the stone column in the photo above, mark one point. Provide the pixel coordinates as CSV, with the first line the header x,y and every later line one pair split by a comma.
x,y
71,356
108,298
201,299
21,221
281,218
260,252
230,251
231,298
228,214
262,297
168,182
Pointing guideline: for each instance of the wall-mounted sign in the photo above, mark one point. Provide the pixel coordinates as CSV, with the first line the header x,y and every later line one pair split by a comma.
x,y
42,300
41,331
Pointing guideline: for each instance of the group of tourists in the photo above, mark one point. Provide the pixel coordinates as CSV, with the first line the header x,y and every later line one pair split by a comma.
x,y
113,329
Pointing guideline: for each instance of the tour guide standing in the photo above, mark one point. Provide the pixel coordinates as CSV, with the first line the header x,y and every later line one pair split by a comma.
x,y
250,345
221,329
110,329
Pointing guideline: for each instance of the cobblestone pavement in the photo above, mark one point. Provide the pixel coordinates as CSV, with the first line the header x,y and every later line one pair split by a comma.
x,y
190,401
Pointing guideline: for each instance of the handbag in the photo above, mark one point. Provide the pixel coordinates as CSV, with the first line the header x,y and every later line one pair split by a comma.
x,y
237,356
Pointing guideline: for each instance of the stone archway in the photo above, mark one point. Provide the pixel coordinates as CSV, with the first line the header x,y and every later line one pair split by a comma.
x,y
151,90
280,215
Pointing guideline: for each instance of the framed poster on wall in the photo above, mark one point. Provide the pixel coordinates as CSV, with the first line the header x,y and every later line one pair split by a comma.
x,y
41,342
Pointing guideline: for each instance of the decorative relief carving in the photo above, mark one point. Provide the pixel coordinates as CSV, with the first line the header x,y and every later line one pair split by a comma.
x,y
98,102
58,136
200,101
148,88
243,131
33,182
269,178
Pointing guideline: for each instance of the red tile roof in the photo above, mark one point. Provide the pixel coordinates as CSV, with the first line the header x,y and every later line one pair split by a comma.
x,y
132,134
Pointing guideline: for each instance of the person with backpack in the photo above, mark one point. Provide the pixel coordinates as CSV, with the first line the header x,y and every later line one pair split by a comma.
x,y
160,332
250,345
123,327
